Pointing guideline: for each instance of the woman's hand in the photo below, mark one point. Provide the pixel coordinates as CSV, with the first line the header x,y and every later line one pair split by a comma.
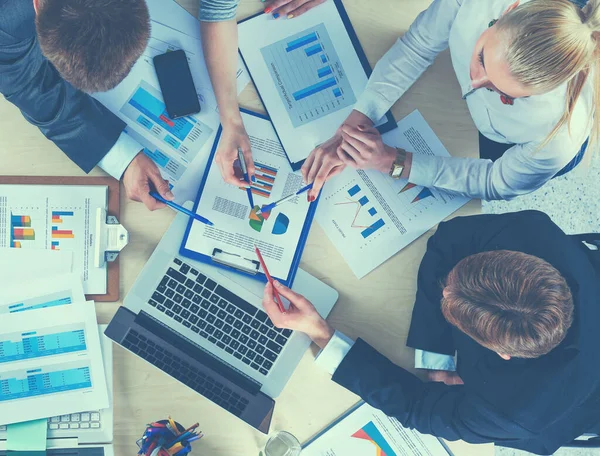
x,y
234,137
291,8
323,163
362,148
300,316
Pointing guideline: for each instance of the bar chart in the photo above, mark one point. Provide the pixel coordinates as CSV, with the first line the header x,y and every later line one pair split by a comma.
x,y
184,136
368,225
308,75
265,180
36,344
20,230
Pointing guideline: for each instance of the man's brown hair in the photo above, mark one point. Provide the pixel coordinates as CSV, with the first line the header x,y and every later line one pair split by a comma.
x,y
93,43
510,302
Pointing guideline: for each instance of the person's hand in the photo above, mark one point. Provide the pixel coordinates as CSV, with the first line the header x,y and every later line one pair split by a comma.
x,y
234,136
291,8
323,163
300,316
447,377
142,176
362,148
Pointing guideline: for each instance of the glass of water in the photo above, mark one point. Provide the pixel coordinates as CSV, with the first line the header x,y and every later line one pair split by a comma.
x,y
282,444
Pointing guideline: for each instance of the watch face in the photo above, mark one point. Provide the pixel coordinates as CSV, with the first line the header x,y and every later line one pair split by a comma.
x,y
396,171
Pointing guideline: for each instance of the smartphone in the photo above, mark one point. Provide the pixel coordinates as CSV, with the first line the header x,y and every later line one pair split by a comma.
x,y
176,84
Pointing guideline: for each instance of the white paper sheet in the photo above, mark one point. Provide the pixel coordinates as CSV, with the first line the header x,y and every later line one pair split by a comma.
x,y
50,363
16,264
369,432
370,217
171,14
307,72
228,208
33,293
181,147
55,217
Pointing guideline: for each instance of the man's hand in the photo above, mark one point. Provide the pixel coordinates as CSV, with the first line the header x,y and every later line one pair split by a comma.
x,y
234,137
300,316
141,176
363,148
448,377
291,8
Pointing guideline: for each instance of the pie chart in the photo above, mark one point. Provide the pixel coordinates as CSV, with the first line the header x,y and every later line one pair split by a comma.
x,y
281,224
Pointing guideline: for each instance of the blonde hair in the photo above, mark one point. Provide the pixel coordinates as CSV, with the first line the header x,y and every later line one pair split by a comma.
x,y
551,42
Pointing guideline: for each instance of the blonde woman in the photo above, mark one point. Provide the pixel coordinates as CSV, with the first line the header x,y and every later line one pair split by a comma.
x,y
527,72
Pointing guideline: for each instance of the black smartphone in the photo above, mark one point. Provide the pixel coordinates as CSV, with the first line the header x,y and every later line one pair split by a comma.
x,y
176,84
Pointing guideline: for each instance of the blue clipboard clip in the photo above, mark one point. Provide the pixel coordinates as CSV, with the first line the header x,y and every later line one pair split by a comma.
x,y
235,261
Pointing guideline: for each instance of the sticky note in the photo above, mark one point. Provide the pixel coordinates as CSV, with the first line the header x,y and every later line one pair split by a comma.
x,y
27,436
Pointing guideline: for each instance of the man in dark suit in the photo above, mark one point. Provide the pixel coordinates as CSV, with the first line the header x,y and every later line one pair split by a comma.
x,y
51,53
518,302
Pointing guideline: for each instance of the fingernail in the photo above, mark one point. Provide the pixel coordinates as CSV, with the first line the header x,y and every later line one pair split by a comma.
x,y
276,15
312,198
169,195
268,10
276,282
308,198
361,127
290,16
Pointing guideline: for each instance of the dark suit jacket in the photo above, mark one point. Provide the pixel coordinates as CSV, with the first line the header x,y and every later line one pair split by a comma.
x,y
83,128
532,404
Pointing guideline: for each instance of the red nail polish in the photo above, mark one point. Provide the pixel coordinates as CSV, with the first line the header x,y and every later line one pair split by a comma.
x,y
268,10
312,198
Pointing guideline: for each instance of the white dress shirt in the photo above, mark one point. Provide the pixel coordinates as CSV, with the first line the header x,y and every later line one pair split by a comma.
x,y
118,158
523,168
338,347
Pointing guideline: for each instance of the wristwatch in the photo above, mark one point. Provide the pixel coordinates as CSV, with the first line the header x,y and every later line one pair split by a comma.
x,y
398,165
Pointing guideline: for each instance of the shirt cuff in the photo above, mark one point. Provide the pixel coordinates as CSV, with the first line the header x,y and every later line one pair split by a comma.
x,y
118,158
424,169
334,352
434,361
373,105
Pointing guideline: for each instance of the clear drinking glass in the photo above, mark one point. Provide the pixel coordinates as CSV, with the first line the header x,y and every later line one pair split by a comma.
x,y
282,444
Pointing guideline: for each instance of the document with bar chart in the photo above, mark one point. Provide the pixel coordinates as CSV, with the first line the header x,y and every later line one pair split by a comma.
x,y
50,363
370,216
366,431
309,74
56,218
239,227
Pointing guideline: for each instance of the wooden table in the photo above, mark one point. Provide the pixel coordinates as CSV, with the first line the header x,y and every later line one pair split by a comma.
x,y
377,308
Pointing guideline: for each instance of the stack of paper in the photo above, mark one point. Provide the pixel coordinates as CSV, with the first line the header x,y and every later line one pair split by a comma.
x,y
50,356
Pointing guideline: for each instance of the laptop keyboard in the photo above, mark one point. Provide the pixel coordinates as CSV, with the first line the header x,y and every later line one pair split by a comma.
x,y
181,370
219,316
85,420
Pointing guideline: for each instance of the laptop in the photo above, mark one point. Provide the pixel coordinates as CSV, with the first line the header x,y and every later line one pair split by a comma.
x,y
86,433
204,326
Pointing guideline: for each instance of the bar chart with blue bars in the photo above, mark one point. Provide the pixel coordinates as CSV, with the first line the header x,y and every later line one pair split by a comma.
x,y
182,137
363,200
58,378
309,76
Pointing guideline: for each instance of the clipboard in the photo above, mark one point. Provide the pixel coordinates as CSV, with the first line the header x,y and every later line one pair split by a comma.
x,y
390,123
113,279
244,265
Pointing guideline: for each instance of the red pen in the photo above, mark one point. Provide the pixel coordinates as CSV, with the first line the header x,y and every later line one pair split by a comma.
x,y
270,279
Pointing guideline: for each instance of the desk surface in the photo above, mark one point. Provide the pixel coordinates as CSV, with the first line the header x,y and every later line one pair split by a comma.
x,y
377,308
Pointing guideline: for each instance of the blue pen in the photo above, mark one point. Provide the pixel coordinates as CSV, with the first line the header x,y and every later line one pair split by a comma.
x,y
245,171
179,208
270,207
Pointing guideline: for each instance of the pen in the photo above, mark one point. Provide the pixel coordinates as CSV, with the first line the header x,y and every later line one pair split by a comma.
x,y
270,207
174,426
182,209
270,279
245,171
